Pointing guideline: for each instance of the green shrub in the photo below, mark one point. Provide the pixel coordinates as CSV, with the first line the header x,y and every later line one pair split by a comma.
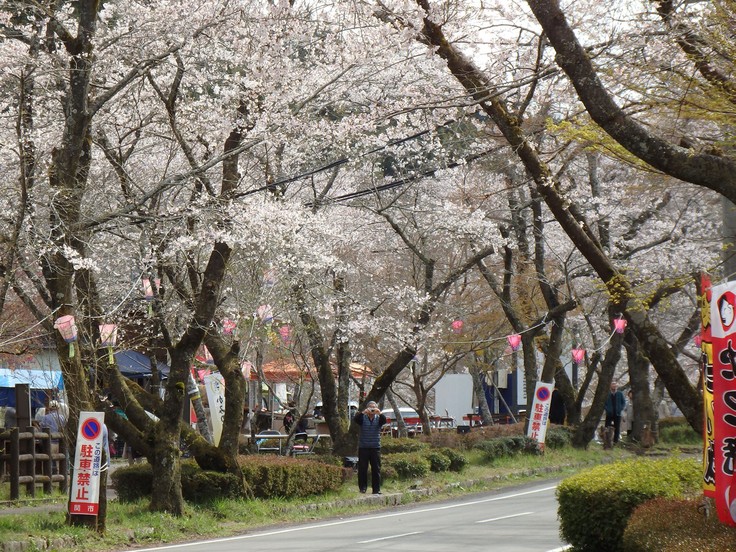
x,y
279,476
558,437
408,465
394,445
671,421
458,461
388,472
438,462
204,486
594,505
666,525
494,448
135,482
523,444
681,434
507,446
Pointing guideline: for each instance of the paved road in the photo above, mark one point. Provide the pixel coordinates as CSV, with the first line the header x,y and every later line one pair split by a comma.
x,y
520,520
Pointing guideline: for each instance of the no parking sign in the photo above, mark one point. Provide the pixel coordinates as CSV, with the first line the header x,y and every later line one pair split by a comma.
x,y
540,412
85,495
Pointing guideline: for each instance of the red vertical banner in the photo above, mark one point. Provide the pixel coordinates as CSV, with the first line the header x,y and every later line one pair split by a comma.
x,y
706,367
723,331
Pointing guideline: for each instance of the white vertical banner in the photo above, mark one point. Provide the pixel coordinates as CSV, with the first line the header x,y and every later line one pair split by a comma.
x,y
85,495
520,387
539,416
215,386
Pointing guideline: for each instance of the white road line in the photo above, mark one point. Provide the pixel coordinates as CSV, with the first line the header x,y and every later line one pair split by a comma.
x,y
504,517
391,537
561,548
344,521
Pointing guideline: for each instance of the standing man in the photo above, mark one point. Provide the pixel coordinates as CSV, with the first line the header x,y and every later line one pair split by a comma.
x,y
615,404
369,446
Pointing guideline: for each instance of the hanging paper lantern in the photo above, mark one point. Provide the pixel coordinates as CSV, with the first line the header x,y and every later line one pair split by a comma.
x,y
698,340
619,325
68,330
457,326
108,335
578,355
514,341
228,326
269,277
108,338
148,292
285,333
147,289
265,313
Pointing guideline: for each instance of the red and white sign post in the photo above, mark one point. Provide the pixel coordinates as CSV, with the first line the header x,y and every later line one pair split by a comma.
x,y
85,492
540,412
723,333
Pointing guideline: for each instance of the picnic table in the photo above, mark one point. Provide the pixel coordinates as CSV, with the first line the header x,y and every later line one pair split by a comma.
x,y
274,441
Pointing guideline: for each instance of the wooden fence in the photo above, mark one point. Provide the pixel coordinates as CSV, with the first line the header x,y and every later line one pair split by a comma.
x,y
32,458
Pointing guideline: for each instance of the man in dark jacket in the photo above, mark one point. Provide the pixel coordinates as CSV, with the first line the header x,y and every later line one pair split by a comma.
x,y
369,446
615,404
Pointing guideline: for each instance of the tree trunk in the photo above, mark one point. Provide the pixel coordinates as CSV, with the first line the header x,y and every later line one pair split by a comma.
x,y
639,377
485,412
586,430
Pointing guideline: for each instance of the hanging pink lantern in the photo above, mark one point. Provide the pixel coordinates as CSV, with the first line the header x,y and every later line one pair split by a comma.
x,y
269,277
457,326
108,335
698,340
147,289
285,333
619,325
265,313
228,326
578,355
514,341
68,330
108,338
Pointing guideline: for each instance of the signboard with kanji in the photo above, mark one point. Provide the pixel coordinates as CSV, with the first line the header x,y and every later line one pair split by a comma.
x,y
539,416
723,334
85,493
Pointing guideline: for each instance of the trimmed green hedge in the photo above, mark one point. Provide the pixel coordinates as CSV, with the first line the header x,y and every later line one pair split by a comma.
x,y
681,434
458,461
507,446
268,476
558,437
279,476
595,505
664,525
394,445
135,482
438,462
408,465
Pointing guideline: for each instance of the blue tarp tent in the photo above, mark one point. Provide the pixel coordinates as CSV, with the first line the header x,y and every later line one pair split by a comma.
x,y
42,383
135,365
43,373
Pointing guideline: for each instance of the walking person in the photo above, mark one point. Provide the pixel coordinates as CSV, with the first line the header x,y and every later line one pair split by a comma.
x,y
615,404
369,446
